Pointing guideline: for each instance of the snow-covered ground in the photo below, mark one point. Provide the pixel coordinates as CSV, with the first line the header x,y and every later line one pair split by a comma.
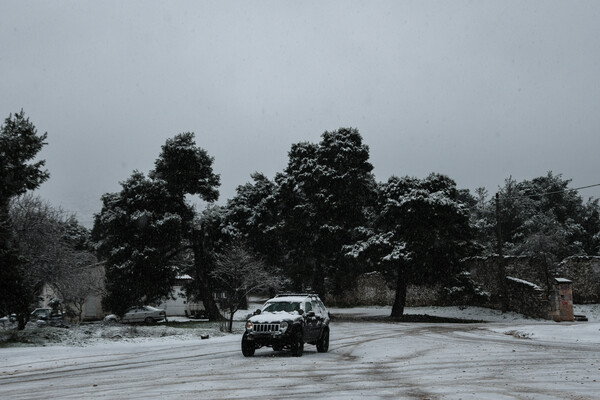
x,y
510,357
592,311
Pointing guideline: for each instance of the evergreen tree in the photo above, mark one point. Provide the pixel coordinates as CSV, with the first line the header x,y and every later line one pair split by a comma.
x,y
211,235
139,232
19,144
421,231
144,230
187,170
324,194
543,206
253,212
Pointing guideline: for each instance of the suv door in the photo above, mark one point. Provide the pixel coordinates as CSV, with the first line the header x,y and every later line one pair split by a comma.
x,y
310,322
319,318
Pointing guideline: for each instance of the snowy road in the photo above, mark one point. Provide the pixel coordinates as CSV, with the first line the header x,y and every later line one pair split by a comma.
x,y
365,361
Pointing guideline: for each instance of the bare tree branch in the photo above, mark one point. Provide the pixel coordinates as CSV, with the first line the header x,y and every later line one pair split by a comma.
x,y
238,273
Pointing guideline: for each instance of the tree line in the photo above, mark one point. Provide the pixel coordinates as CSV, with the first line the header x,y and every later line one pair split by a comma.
x,y
317,225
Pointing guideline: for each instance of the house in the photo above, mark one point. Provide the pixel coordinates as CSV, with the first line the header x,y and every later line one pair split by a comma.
x,y
90,308
88,303
179,305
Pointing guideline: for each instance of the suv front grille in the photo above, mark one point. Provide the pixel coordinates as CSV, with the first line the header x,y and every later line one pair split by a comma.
x,y
266,327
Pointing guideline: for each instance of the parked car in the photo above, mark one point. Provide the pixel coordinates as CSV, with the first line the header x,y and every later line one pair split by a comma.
x,y
288,321
8,319
147,314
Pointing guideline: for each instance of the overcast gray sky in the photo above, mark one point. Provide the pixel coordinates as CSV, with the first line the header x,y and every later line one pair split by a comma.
x,y
477,90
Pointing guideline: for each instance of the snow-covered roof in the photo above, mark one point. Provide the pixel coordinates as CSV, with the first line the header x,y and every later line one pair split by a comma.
x,y
288,299
562,280
524,282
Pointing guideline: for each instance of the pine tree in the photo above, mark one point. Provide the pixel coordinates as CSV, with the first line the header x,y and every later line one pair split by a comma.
x,y
143,230
420,233
19,144
324,194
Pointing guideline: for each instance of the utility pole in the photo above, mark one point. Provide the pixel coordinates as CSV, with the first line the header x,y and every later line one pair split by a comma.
x,y
501,268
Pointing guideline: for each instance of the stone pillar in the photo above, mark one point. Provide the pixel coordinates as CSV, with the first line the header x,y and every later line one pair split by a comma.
x,y
561,300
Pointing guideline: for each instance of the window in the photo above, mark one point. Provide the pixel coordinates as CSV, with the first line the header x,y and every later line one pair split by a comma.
x,y
317,309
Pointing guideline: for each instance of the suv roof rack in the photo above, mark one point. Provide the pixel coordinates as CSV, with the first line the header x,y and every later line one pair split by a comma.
x,y
297,294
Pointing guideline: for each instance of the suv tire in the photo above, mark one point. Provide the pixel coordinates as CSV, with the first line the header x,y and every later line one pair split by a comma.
x,y
323,342
298,344
248,347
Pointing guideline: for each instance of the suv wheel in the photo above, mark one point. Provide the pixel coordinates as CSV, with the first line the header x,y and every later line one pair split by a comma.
x,y
248,347
298,344
323,343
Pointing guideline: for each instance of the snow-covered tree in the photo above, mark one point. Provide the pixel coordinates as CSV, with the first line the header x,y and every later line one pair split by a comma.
x,y
19,145
420,233
83,280
144,230
324,193
211,235
238,274
591,226
138,233
543,206
253,212
186,168
54,247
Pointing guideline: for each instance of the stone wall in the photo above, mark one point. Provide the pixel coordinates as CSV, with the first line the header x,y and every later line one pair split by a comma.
x,y
372,290
484,272
584,272
527,298
528,274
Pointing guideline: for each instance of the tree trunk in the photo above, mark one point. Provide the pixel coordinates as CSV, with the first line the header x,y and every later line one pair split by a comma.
x,y
5,230
230,329
244,302
501,267
21,321
318,285
400,298
210,305
202,277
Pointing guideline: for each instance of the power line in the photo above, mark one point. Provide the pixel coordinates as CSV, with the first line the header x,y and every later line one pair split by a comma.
x,y
553,192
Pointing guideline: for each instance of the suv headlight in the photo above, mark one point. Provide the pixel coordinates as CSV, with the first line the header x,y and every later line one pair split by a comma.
x,y
283,326
249,325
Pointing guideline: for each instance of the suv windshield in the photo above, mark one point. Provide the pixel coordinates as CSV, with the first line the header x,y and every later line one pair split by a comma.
x,y
282,306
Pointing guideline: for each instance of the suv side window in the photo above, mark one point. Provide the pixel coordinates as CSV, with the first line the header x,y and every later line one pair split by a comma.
x,y
321,305
307,307
316,308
